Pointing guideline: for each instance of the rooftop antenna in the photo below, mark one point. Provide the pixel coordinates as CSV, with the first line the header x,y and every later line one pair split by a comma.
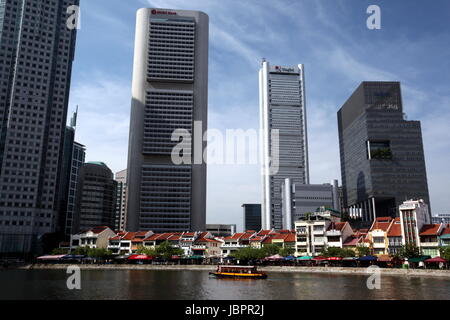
x,y
73,120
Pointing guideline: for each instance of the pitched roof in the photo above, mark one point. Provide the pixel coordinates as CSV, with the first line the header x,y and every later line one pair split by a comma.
x,y
430,229
153,237
381,223
446,230
264,232
395,229
235,236
247,235
129,236
189,234
95,230
257,238
351,241
336,226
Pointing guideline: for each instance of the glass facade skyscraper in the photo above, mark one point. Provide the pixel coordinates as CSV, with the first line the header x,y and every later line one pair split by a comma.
x,y
382,156
282,108
36,55
170,92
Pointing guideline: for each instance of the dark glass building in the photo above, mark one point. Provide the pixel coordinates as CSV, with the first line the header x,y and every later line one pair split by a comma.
x,y
252,217
36,54
382,157
96,197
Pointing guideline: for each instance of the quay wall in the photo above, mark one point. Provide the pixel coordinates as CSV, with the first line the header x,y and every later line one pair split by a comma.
x,y
293,269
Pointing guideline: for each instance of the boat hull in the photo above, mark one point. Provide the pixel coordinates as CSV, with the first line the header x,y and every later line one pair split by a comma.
x,y
224,275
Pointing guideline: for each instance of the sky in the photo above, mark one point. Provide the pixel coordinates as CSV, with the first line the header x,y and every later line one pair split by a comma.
x,y
330,37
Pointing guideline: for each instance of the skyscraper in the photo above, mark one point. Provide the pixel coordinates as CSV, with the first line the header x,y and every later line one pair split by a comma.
x,y
95,203
36,54
121,200
252,216
382,157
282,107
169,92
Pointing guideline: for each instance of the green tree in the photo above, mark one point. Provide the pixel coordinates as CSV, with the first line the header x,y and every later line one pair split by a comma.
x,y
100,253
286,252
362,251
270,250
58,251
147,251
248,254
445,253
81,251
165,250
409,251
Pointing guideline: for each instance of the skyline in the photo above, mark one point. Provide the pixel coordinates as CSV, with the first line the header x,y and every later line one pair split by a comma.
x,y
341,53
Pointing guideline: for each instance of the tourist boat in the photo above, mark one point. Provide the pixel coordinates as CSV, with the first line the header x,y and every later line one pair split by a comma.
x,y
238,272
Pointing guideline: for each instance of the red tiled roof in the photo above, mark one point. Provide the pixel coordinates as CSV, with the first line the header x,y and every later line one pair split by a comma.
x,y
129,236
153,237
395,230
336,226
115,238
165,236
290,238
247,236
235,236
174,237
267,240
430,230
257,238
351,241
381,223
189,234
264,232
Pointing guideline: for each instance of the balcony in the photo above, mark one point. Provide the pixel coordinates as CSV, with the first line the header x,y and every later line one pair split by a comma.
x,y
429,244
333,233
198,247
233,245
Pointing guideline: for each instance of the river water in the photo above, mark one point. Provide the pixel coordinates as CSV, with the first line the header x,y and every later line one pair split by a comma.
x,y
198,285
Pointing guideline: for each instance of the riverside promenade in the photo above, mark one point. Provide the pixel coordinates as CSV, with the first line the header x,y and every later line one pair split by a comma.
x,y
290,269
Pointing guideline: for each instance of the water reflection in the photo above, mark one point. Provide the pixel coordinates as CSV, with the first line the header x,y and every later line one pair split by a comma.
x,y
198,285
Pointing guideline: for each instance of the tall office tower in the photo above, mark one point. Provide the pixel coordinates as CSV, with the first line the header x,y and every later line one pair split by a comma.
x,y
170,91
382,157
36,54
121,201
252,217
300,199
72,158
96,197
282,107
78,158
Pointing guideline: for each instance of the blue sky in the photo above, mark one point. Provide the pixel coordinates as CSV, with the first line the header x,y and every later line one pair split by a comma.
x,y
329,36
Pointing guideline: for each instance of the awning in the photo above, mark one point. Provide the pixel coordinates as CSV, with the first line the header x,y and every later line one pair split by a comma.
x,y
304,258
73,256
196,257
334,259
51,257
139,257
121,258
384,258
320,259
436,260
290,258
274,258
350,259
368,258
419,259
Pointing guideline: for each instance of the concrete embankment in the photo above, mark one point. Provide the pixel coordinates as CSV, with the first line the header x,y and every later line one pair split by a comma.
x,y
323,270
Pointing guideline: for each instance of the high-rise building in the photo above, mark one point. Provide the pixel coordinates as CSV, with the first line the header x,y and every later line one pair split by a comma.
x,y
252,216
121,201
72,159
300,199
36,53
283,155
96,197
221,230
382,157
170,91
78,158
